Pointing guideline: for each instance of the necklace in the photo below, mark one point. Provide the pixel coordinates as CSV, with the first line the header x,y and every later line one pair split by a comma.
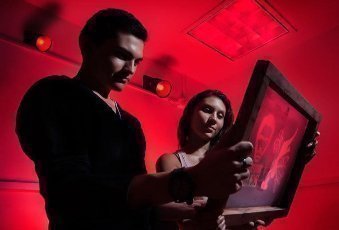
x,y
117,109
111,103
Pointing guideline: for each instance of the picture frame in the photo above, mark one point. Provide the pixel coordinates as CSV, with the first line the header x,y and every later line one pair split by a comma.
x,y
280,123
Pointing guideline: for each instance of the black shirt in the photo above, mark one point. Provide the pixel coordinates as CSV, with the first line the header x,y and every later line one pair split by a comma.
x,y
85,155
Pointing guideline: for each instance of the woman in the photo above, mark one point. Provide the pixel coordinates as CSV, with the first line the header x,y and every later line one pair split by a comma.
x,y
206,117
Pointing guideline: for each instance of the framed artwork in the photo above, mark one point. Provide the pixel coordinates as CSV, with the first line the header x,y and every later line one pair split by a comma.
x,y
279,122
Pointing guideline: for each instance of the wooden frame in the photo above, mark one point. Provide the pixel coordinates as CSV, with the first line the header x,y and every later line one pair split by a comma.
x,y
267,96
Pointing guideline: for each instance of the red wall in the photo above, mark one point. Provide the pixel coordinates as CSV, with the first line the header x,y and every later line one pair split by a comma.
x,y
312,67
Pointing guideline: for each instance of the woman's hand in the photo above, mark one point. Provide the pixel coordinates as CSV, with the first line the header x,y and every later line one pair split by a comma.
x,y
204,223
252,225
206,220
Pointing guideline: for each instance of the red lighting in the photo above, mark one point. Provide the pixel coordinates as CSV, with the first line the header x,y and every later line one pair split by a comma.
x,y
43,43
163,89
157,86
238,29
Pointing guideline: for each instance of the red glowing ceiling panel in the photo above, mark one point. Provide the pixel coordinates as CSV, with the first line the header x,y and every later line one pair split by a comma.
x,y
238,28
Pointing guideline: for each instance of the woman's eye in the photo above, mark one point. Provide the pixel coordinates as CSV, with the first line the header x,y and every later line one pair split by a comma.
x,y
220,116
206,109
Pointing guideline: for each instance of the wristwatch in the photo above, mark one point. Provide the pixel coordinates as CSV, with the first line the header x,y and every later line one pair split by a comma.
x,y
181,186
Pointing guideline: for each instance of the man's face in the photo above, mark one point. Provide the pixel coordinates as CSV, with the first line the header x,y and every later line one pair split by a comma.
x,y
115,60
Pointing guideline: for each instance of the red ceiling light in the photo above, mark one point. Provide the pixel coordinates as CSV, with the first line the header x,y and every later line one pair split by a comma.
x,y
157,86
238,28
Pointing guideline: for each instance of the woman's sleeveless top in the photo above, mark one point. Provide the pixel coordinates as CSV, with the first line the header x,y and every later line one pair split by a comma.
x,y
182,157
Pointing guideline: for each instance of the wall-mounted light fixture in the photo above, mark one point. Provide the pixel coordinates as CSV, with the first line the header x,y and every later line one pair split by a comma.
x,y
158,86
42,42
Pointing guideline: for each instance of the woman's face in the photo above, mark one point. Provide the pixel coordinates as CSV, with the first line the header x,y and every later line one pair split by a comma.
x,y
208,118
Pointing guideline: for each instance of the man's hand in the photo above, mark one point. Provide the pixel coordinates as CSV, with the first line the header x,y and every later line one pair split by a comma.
x,y
310,148
221,172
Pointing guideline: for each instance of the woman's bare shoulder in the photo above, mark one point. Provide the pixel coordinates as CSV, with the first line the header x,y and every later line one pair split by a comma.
x,y
167,162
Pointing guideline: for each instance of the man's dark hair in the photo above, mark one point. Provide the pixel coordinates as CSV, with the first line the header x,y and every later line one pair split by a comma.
x,y
186,118
106,23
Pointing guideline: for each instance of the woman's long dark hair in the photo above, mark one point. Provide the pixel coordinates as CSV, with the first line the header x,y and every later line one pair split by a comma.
x,y
185,120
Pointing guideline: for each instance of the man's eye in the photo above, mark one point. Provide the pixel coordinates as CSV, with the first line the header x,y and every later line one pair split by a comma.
x,y
122,57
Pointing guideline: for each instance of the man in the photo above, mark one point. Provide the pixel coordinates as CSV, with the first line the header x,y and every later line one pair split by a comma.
x,y
89,152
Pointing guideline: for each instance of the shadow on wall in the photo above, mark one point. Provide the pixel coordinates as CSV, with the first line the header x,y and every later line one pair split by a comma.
x,y
41,19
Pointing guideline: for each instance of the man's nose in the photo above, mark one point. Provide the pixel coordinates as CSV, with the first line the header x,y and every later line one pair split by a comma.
x,y
130,66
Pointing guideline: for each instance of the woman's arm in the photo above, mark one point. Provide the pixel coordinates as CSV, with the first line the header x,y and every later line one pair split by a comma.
x,y
167,163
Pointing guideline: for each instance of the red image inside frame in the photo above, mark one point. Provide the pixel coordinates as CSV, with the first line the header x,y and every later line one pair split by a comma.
x,y
276,136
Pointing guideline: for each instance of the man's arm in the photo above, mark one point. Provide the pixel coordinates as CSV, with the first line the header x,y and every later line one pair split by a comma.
x,y
216,176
